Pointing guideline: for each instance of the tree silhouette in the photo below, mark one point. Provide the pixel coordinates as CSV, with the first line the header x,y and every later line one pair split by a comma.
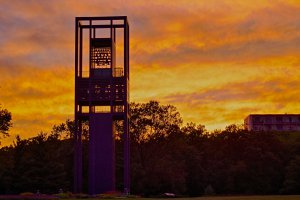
x,y
165,157
5,122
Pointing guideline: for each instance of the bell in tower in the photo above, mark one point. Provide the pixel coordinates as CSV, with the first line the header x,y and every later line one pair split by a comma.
x,y
101,57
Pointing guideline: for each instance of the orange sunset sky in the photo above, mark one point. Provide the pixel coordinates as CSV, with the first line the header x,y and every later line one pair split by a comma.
x,y
217,61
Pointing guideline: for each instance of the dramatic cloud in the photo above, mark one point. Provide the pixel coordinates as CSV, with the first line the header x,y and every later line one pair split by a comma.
x,y
217,61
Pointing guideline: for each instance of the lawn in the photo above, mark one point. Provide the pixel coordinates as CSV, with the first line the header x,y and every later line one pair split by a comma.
x,y
278,197
291,197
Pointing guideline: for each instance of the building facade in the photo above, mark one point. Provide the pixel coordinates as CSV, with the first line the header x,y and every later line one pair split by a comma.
x,y
272,122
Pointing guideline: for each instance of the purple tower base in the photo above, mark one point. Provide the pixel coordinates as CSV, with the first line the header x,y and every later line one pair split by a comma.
x,y
101,154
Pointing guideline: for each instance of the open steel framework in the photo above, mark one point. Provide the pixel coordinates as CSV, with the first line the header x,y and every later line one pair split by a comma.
x,y
101,99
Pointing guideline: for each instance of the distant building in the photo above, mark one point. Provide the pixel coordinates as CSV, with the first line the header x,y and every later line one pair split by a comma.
x,y
272,122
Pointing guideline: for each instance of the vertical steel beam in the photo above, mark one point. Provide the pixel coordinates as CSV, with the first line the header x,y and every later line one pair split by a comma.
x,y
77,134
126,106
75,109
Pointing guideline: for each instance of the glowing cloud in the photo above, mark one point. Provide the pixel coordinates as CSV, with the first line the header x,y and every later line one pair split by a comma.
x,y
216,61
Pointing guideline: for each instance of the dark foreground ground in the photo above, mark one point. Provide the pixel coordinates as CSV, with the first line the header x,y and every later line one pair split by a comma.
x,y
49,197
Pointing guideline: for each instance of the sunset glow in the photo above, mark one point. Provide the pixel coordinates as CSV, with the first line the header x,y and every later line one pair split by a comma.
x,y
216,61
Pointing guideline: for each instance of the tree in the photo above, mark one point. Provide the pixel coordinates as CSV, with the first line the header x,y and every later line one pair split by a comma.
x,y
152,120
194,135
5,122
64,130
152,127
291,184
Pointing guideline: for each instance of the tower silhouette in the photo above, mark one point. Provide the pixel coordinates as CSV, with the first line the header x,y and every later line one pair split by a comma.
x,y
101,99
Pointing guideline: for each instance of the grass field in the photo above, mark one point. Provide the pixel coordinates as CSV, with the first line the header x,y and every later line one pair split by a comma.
x,y
278,197
292,197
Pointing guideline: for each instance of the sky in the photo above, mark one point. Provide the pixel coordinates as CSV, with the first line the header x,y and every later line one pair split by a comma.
x,y
217,61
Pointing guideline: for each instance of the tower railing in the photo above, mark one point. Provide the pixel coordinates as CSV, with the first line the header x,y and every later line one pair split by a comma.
x,y
116,72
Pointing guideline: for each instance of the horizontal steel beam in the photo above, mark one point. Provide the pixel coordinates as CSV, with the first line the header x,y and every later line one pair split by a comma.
x,y
103,26
102,18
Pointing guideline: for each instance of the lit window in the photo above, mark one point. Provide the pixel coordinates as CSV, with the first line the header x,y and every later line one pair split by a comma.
x,y
102,109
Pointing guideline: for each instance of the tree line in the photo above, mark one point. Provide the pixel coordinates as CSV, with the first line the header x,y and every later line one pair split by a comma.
x,y
166,156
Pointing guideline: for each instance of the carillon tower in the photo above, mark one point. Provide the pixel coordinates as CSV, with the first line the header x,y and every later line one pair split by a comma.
x,y
101,99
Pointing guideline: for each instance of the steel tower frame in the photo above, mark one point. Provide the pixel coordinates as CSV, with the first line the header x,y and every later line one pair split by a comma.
x,y
101,98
